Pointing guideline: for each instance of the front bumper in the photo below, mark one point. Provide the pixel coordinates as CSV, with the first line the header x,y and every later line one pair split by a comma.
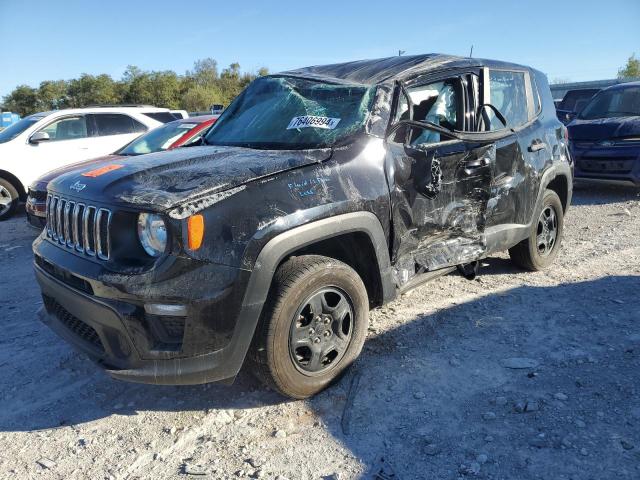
x,y
36,212
615,163
36,221
113,329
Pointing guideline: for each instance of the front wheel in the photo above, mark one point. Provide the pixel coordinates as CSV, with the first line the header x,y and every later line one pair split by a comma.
x,y
9,198
541,248
313,325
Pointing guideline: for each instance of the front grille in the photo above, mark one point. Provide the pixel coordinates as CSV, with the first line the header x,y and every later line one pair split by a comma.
x,y
77,326
75,225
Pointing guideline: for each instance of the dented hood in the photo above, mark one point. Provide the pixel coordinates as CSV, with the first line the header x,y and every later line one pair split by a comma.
x,y
604,128
170,179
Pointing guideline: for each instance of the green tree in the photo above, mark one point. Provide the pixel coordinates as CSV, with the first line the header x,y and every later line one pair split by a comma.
x,y
161,89
204,73
52,95
199,98
631,69
92,90
23,100
130,73
197,90
231,83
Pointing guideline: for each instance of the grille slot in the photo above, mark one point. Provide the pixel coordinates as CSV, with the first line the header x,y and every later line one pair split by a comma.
x,y
84,228
73,323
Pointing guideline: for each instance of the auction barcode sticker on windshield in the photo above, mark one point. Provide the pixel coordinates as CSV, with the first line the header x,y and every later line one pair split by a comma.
x,y
307,121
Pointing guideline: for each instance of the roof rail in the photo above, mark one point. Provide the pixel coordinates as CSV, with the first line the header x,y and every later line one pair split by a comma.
x,y
119,105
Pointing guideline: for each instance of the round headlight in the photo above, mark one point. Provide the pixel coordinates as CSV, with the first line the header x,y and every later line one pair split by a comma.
x,y
152,232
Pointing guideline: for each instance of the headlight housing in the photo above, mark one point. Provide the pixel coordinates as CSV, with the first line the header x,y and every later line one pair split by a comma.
x,y
152,232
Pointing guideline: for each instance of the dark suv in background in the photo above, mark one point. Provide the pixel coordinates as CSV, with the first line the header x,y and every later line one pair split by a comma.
x,y
319,193
605,136
573,102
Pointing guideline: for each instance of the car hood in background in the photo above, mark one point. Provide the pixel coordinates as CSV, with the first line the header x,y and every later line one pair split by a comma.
x,y
94,162
166,180
604,128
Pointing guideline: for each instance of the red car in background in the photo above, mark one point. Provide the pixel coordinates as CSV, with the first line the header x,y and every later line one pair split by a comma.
x,y
166,137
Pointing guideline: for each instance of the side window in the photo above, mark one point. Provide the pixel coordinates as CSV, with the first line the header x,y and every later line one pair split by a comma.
x,y
439,103
113,124
138,127
67,128
509,96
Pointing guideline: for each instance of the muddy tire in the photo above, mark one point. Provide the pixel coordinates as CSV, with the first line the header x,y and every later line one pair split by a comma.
x,y
9,199
313,326
541,248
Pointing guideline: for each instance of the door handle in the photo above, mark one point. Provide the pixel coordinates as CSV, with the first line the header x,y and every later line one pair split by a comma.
x,y
537,145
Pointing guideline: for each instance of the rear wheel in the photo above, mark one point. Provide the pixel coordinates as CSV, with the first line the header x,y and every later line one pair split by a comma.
x,y
9,198
313,326
541,248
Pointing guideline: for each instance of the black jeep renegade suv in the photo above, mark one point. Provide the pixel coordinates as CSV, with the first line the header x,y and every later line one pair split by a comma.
x,y
320,193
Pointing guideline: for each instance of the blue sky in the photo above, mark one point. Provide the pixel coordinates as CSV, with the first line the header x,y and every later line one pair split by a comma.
x,y
41,40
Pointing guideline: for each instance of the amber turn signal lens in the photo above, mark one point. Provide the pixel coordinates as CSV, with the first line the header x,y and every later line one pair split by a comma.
x,y
195,231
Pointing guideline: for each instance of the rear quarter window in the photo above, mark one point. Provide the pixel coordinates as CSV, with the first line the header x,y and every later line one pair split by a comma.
x,y
164,117
115,124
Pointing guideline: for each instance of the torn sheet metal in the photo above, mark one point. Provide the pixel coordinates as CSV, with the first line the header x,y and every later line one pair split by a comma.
x,y
438,206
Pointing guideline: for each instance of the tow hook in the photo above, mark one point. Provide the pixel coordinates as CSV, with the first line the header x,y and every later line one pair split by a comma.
x,y
469,270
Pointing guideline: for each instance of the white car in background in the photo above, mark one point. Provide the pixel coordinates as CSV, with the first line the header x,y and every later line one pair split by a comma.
x,y
44,141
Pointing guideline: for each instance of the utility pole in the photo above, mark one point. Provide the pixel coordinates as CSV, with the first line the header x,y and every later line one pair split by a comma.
x,y
471,53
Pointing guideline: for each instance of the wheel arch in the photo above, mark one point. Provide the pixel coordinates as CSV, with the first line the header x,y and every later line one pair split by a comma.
x,y
10,177
335,237
560,185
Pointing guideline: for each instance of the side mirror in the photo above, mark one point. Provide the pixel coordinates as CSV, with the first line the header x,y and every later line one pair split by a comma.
x,y
39,137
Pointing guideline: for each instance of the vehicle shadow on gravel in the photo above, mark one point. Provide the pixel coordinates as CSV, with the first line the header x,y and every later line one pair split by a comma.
x,y
424,399
433,397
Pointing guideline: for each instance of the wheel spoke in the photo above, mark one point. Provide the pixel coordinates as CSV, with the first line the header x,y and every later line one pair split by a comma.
x,y
316,303
340,310
300,336
340,341
4,201
542,241
315,362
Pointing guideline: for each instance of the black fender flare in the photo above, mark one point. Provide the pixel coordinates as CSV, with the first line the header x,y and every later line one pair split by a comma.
x,y
557,170
281,246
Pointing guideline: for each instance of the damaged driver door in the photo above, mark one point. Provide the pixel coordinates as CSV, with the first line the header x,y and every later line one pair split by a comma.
x,y
439,183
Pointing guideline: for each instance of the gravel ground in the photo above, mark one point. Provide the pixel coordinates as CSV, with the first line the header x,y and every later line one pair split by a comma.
x,y
512,375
